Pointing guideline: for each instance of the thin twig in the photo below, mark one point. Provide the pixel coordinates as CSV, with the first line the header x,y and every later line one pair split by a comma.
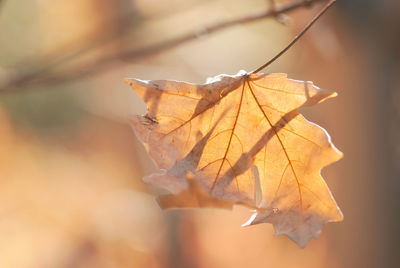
x,y
308,26
37,76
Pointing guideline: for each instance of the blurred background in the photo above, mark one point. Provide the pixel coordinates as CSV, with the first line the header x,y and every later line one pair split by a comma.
x,y
71,193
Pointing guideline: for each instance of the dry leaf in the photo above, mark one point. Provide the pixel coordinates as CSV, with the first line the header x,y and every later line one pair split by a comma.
x,y
241,139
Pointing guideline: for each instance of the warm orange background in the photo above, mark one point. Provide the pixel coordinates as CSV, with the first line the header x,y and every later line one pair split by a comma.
x,y
70,166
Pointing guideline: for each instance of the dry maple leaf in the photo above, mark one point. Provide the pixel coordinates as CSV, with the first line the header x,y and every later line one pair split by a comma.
x,y
240,140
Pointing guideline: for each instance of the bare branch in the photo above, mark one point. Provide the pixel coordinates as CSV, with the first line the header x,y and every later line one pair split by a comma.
x,y
308,26
43,74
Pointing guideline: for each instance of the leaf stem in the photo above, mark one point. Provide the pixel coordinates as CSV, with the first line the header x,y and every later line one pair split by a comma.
x,y
308,26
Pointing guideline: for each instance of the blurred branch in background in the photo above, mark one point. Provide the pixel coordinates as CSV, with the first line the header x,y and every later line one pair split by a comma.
x,y
1,3
281,18
42,70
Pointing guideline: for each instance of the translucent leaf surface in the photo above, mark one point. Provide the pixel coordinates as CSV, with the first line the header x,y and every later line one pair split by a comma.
x,y
240,140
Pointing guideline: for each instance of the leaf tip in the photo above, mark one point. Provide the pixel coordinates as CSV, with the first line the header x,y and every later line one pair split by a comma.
x,y
128,81
250,220
327,94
